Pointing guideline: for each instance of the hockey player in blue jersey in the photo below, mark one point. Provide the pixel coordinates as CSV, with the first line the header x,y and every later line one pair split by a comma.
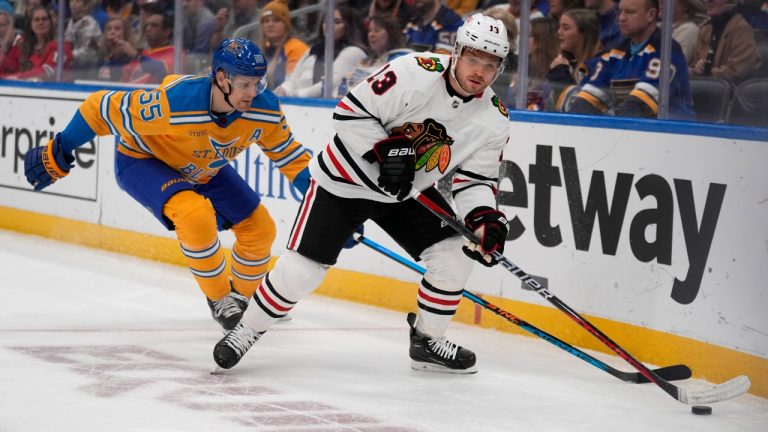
x,y
175,145
625,81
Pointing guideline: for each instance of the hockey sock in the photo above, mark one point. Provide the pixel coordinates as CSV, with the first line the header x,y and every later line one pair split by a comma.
x,y
195,222
251,252
442,286
293,277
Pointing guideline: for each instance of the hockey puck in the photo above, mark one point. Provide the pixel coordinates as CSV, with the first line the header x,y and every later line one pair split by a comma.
x,y
701,410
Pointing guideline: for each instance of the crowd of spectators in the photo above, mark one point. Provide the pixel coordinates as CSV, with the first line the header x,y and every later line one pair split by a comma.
x,y
584,56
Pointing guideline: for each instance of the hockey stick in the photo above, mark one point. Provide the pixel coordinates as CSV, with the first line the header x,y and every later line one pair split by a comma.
x,y
719,392
670,373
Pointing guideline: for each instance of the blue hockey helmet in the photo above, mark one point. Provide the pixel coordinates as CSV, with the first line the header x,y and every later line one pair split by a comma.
x,y
239,56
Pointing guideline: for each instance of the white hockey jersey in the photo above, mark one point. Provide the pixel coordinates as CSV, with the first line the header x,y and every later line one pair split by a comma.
x,y
411,96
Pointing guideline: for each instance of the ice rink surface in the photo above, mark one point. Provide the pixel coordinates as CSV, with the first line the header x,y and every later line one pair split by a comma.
x,y
95,341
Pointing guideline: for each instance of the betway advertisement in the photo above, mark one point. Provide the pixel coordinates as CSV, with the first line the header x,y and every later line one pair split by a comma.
x,y
666,231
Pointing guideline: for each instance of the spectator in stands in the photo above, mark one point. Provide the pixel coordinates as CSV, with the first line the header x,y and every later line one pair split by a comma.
x,y
502,83
396,8
579,36
608,14
433,27
726,47
30,5
282,50
155,61
142,9
543,48
8,34
462,7
84,33
626,80
307,79
116,50
228,19
385,43
35,56
685,25
198,27
557,7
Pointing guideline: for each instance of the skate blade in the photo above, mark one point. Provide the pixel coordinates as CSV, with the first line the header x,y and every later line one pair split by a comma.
x,y
218,370
435,368
285,318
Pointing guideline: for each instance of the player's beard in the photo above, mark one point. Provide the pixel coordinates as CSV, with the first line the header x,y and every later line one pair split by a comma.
x,y
472,84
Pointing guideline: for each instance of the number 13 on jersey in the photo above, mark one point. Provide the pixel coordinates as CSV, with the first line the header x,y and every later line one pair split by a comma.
x,y
382,80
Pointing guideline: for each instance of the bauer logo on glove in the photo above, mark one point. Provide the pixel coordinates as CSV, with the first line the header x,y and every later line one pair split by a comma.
x,y
45,164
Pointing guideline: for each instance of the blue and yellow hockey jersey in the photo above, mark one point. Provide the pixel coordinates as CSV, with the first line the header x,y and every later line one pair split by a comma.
x,y
174,124
632,81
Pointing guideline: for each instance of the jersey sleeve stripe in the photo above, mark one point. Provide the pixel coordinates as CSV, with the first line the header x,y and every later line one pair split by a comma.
x,y
178,80
352,164
282,146
267,118
646,98
128,123
342,117
336,164
105,112
458,190
327,171
285,160
180,120
360,105
475,176
131,149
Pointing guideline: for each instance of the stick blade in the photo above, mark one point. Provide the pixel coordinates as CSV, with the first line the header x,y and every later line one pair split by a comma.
x,y
669,373
723,391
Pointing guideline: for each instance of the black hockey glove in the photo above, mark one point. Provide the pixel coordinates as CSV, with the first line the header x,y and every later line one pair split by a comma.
x,y
396,164
490,225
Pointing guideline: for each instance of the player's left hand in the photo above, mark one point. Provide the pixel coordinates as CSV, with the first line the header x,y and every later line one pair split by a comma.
x,y
45,164
490,225
352,241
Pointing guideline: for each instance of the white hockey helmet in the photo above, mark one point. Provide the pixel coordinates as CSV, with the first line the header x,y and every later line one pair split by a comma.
x,y
483,33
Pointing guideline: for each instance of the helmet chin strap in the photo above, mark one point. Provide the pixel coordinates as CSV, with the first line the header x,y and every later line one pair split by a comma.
x,y
226,95
453,73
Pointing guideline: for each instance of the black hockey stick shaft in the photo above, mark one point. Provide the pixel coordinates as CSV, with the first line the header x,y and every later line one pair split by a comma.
x,y
674,372
727,390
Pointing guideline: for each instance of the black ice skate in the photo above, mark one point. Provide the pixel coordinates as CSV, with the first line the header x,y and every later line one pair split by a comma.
x,y
228,311
438,355
232,347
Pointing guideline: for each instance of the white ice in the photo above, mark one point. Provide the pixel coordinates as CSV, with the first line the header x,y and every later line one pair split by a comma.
x,y
95,341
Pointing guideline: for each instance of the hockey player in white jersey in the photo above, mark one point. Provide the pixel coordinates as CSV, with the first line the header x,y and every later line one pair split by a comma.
x,y
398,132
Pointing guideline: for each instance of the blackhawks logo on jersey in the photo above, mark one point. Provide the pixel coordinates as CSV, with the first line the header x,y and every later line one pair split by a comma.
x,y
430,142
500,105
431,64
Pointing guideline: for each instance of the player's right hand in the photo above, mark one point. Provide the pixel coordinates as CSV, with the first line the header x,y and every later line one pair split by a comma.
x,y
490,226
45,164
396,164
